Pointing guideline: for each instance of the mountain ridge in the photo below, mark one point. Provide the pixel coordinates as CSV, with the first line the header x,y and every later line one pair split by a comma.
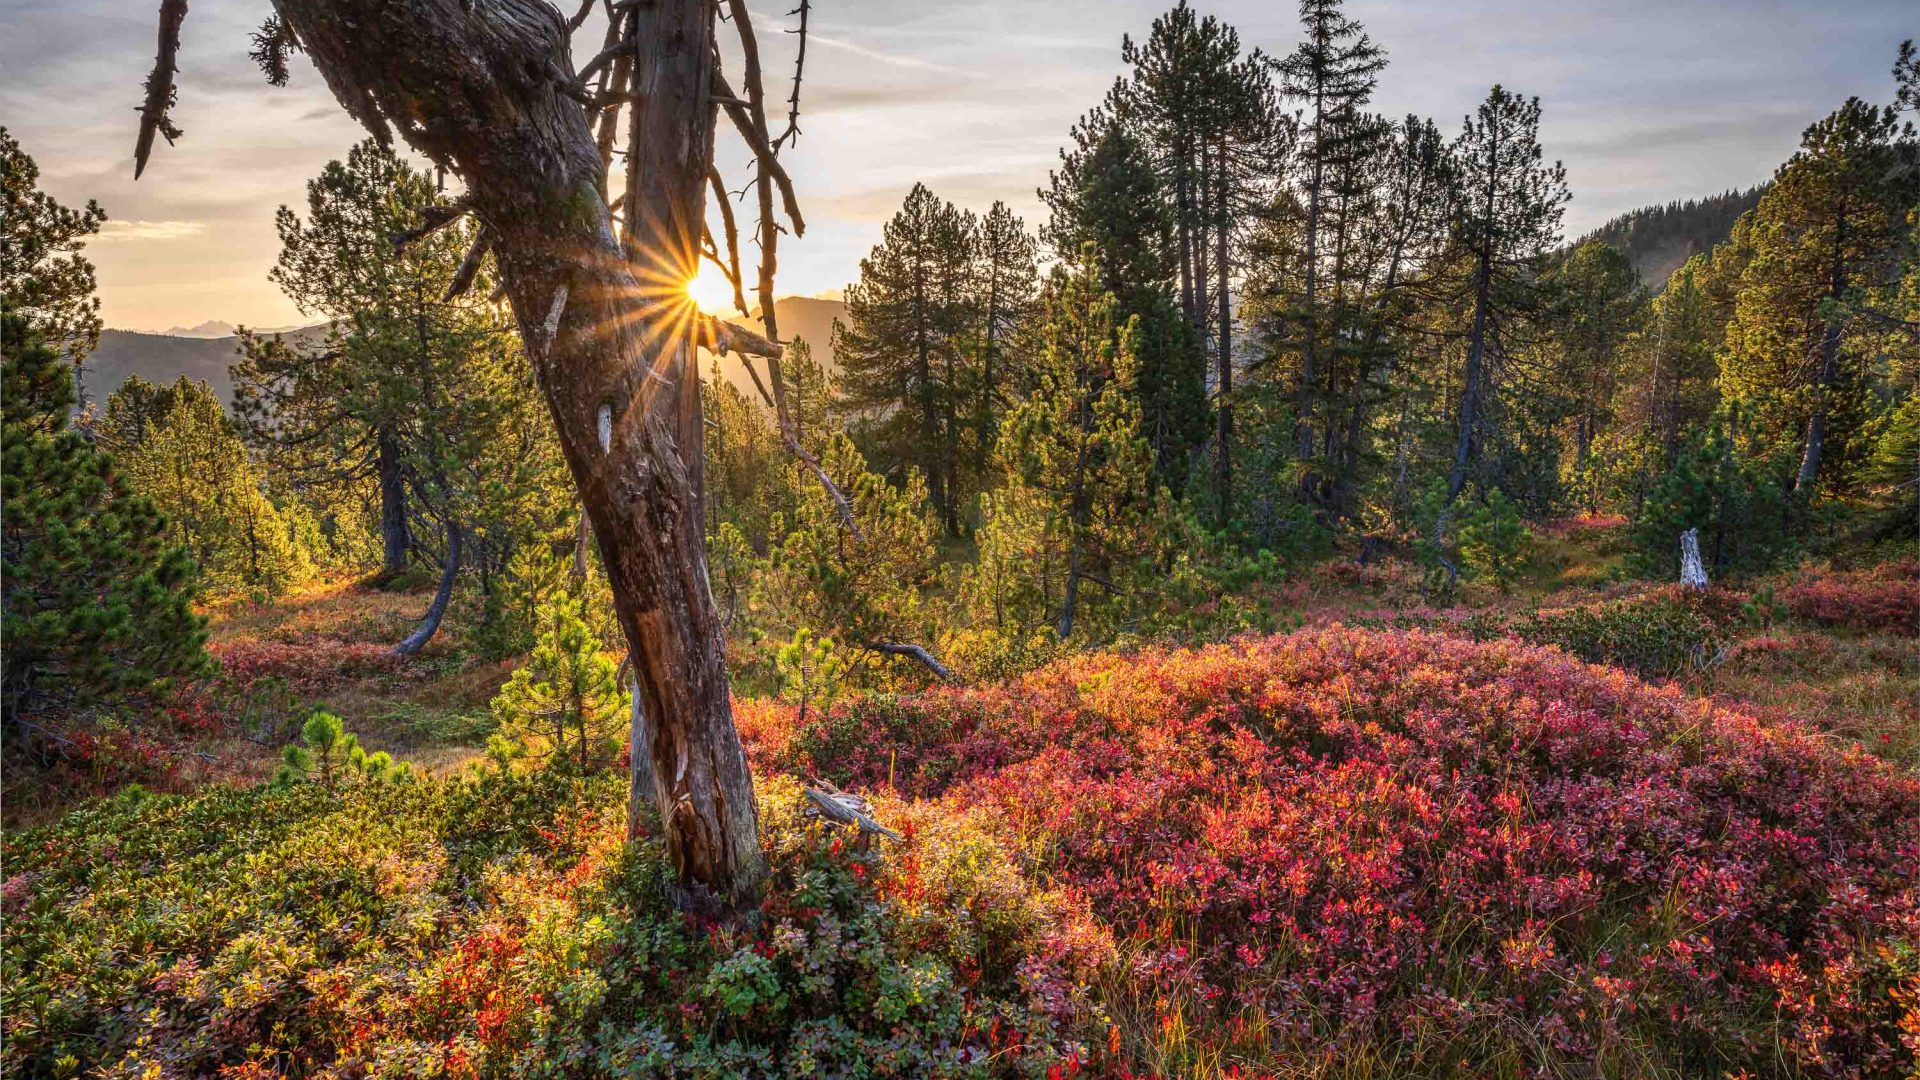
x,y
166,356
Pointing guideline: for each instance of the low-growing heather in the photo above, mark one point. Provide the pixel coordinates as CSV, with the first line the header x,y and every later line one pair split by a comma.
x,y
1886,597
1666,632
1337,852
495,925
1437,856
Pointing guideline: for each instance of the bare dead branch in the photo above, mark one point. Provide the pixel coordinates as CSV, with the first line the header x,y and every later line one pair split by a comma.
x,y
799,66
469,266
732,266
601,60
569,87
913,652
790,440
763,152
432,220
747,362
844,808
724,337
160,90
580,17
612,89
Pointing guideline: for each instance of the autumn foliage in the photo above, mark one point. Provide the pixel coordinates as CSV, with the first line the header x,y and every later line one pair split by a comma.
x,y
1434,853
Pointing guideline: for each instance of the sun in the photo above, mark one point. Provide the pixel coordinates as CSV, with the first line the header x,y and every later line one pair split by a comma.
x,y
711,291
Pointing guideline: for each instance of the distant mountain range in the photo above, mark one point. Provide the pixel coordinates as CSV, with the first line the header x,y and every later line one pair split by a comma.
x,y
204,352
162,358
1657,239
214,328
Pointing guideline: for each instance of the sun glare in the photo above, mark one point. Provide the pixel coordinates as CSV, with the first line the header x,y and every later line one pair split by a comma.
x,y
711,291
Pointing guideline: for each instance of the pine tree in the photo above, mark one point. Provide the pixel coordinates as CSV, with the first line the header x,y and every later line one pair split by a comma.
x,y
1832,223
418,390
905,377
1002,296
866,592
176,446
1077,490
566,706
1506,217
1494,541
1333,73
329,753
97,602
1208,114
1598,306
1738,504
1107,198
43,276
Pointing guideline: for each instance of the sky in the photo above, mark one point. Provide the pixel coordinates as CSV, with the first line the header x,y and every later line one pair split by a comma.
x,y
1644,100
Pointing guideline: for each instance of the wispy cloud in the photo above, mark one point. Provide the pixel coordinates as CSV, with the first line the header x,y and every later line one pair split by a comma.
x,y
150,230
895,59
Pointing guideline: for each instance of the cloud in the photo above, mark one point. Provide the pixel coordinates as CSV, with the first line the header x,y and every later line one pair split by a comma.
x,y
150,230
895,59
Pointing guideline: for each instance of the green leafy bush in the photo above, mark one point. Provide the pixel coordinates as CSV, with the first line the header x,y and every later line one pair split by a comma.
x,y
1494,542
1666,633
495,924
1738,504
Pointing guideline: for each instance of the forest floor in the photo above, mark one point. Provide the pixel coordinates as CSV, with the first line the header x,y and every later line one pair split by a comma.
x,y
1399,839
1835,650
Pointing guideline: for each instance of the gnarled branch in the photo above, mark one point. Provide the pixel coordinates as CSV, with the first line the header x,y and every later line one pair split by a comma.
x,y
799,67
763,152
913,652
844,808
432,220
160,92
469,266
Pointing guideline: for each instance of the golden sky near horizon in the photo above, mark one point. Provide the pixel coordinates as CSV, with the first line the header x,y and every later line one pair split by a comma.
x,y
1645,101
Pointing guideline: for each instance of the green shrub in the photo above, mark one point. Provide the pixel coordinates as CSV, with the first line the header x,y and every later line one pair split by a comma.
x,y
328,754
1738,504
1664,634
1494,542
496,924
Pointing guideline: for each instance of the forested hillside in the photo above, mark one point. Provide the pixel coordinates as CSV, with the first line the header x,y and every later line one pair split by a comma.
x,y
1658,239
1287,612
206,357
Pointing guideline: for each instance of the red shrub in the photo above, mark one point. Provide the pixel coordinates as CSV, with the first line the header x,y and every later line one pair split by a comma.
x,y
1887,598
304,665
1417,838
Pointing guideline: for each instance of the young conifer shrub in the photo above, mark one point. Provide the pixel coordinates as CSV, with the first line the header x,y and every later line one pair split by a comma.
x,y
567,705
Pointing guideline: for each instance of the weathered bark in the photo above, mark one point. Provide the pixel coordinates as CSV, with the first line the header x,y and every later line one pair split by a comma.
x,y
582,536
1310,308
395,537
1224,464
1070,599
641,781
1829,368
1183,215
437,610
1692,574
475,88
1471,379
1469,417
913,652
154,119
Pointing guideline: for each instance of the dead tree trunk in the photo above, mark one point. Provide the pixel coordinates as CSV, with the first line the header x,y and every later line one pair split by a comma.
x,y
442,596
488,90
